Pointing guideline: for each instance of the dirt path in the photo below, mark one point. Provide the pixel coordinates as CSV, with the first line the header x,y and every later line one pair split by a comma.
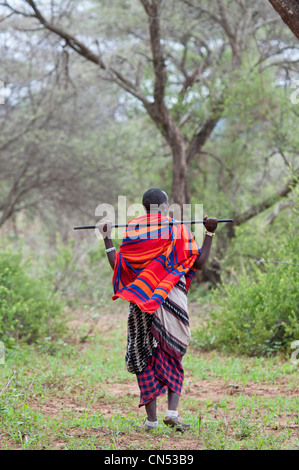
x,y
216,390
197,392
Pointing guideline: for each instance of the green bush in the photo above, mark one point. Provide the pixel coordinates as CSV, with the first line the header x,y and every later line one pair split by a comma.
x,y
80,272
258,313
29,311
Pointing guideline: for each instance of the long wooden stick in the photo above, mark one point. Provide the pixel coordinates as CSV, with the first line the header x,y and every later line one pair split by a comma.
x,y
176,222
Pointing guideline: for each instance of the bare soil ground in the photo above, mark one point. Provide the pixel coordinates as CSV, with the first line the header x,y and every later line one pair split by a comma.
x,y
198,390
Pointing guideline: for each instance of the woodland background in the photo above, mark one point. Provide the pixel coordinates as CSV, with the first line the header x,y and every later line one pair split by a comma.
x,y
101,99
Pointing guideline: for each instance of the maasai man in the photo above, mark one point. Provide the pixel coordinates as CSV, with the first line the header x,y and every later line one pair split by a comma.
x,y
152,271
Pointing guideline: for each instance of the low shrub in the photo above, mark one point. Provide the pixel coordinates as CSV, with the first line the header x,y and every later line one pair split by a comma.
x,y
258,313
29,310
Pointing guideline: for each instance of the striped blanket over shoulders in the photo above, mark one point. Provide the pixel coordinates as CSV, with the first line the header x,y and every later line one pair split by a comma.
x,y
151,260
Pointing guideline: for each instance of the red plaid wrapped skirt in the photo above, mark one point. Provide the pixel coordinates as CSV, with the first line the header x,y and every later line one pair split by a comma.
x,y
162,372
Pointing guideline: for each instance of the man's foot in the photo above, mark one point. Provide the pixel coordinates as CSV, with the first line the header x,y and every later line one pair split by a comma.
x,y
148,426
175,423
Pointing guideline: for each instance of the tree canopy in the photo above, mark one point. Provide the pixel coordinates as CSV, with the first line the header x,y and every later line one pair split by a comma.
x,y
106,99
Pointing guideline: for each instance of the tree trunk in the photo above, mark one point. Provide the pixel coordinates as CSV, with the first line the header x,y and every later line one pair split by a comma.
x,y
210,273
179,174
289,12
174,138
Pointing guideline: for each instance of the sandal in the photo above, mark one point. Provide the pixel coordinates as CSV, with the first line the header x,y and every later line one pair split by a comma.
x,y
175,423
146,426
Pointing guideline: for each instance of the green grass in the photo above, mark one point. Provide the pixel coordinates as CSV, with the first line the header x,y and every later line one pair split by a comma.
x,y
242,369
67,399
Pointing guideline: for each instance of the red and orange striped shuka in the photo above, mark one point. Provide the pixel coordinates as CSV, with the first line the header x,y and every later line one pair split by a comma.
x,y
152,259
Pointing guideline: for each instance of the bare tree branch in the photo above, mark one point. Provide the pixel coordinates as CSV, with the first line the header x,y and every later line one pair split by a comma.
x,y
81,49
153,11
267,203
201,136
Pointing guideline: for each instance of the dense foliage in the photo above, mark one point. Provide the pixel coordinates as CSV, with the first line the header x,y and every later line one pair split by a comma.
x,y
257,312
29,310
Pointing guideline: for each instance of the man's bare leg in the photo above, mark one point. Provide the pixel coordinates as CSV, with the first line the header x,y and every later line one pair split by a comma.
x,y
171,418
151,410
173,400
